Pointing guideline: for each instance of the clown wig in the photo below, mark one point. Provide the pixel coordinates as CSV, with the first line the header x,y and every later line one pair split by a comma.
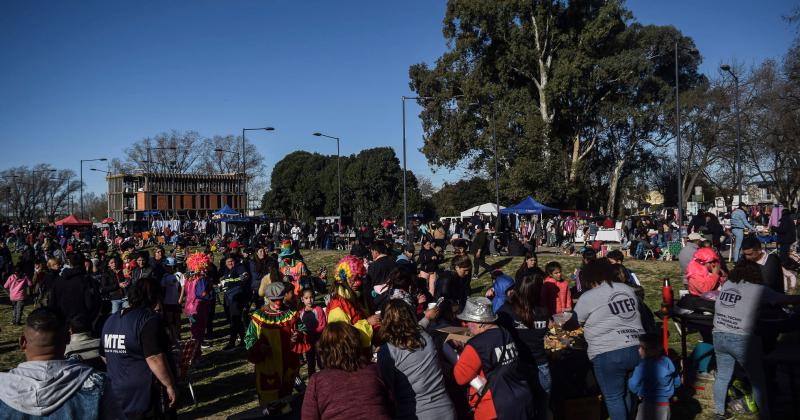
x,y
348,276
198,262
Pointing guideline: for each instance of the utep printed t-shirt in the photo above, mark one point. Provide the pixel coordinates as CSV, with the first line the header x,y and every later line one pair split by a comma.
x,y
611,318
737,307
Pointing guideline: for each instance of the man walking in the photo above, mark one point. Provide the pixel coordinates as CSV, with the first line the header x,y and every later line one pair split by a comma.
x,y
479,248
738,224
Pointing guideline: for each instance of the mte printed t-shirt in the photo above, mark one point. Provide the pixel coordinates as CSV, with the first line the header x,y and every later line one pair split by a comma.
x,y
610,318
737,307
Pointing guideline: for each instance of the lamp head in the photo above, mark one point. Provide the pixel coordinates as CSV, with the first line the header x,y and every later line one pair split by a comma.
x,y
317,134
218,150
269,128
725,67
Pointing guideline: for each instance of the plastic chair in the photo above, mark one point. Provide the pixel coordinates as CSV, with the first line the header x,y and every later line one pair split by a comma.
x,y
188,349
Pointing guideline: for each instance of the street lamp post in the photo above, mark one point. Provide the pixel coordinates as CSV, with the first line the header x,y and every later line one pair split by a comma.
x,y
405,190
88,160
738,177
244,174
339,173
692,51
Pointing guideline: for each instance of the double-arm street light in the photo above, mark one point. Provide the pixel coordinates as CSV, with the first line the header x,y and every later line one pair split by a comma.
x,y
88,160
243,155
339,174
692,51
738,177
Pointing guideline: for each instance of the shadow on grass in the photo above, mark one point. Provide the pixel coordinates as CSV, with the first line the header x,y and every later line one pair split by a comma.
x,y
231,391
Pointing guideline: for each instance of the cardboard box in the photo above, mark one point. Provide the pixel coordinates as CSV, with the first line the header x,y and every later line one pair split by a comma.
x,y
459,334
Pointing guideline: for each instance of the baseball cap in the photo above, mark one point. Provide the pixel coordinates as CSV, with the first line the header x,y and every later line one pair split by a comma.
x,y
694,236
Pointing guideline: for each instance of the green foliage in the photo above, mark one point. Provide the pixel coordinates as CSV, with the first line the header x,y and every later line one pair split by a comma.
x,y
452,199
572,92
304,186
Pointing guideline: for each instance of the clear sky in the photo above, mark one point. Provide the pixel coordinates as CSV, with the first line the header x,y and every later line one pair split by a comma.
x,y
81,80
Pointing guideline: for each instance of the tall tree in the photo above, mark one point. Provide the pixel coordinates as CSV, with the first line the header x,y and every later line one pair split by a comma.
x,y
38,192
546,81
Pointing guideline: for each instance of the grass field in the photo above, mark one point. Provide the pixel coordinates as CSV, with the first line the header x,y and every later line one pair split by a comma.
x,y
227,385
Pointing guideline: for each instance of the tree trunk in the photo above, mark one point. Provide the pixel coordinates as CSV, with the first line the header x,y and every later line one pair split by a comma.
x,y
613,184
578,156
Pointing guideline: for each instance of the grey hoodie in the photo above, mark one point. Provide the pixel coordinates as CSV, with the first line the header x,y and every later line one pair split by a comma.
x,y
41,387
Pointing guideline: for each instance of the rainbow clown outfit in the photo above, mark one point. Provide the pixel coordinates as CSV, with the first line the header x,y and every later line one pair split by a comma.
x,y
270,348
290,265
343,306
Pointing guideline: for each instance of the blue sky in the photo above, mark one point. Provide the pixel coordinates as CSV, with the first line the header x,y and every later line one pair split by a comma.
x,y
81,80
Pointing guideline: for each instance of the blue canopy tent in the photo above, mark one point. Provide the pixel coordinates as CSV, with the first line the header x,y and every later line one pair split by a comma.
x,y
226,211
529,206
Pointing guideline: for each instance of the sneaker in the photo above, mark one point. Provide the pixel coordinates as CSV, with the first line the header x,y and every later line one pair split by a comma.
x,y
205,346
705,376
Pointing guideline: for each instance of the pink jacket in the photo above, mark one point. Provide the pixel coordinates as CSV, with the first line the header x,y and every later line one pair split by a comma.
x,y
322,320
556,296
16,286
700,280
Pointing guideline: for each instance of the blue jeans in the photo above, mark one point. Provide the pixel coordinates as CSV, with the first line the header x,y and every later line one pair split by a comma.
x,y
541,397
118,304
738,234
611,369
545,381
745,349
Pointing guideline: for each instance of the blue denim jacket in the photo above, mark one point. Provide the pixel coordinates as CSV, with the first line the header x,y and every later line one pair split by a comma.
x,y
739,220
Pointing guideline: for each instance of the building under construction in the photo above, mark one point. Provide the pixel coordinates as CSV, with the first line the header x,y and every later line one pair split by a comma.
x,y
139,196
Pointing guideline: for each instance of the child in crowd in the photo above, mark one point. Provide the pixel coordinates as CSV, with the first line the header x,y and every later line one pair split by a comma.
x,y
556,296
654,380
314,319
16,284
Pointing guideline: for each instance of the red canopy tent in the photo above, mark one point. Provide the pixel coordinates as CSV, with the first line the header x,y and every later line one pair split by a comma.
x,y
73,221
107,220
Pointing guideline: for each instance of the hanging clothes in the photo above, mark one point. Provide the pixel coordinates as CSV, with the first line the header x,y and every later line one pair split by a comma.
x,y
775,217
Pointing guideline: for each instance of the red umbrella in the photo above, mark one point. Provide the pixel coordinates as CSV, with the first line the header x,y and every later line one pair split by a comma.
x,y
107,220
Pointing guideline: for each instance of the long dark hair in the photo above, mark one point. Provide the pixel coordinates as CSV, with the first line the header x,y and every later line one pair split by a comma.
x,y
525,296
523,268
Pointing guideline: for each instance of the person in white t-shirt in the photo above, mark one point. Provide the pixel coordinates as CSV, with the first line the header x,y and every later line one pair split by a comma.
x,y
736,314
612,325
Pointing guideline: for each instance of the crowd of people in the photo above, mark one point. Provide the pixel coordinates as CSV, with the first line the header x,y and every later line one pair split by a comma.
x,y
105,338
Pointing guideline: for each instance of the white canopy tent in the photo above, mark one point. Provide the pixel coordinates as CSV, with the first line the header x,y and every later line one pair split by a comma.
x,y
486,208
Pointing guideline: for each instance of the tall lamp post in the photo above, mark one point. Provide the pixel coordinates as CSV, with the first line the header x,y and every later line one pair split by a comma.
x,y
338,173
692,51
243,154
88,160
727,68
405,190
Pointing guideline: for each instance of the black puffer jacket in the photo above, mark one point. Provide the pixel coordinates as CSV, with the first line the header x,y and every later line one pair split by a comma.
x,y
74,294
786,230
109,285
